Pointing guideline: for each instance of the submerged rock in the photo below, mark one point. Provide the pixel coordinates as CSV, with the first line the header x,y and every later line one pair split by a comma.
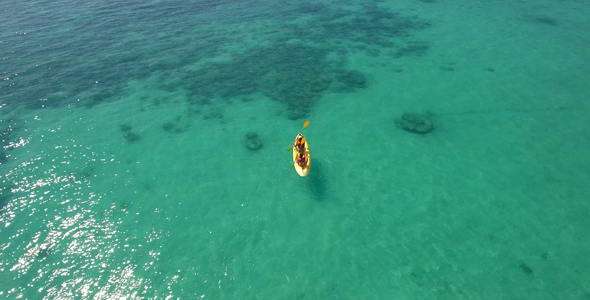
x,y
174,127
131,137
352,79
296,113
416,123
44,251
252,141
125,127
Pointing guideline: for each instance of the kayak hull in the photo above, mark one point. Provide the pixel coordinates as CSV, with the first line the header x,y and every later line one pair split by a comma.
x,y
302,171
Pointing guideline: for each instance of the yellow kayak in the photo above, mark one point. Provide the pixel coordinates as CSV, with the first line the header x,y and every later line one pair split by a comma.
x,y
302,171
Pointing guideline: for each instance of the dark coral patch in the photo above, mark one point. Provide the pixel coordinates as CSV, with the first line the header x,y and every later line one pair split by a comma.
x,y
292,47
412,49
173,128
526,269
168,126
351,79
292,69
3,158
252,141
545,20
132,137
416,123
298,112
44,251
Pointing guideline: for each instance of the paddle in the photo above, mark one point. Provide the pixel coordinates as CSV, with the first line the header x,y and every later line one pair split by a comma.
x,y
304,126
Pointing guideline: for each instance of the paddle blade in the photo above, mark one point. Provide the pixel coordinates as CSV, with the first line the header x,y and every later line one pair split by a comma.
x,y
290,148
302,141
304,126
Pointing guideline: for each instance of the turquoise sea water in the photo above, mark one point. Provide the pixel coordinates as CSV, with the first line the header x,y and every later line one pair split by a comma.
x,y
125,174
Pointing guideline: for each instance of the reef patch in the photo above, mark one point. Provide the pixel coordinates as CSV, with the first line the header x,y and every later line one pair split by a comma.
x,y
416,123
253,142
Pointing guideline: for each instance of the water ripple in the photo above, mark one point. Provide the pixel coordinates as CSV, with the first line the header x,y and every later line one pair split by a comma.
x,y
60,235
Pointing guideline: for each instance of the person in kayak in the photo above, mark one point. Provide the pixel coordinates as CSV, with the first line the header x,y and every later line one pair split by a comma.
x,y
299,145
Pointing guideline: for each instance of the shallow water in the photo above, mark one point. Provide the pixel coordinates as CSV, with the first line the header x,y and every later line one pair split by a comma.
x,y
124,170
